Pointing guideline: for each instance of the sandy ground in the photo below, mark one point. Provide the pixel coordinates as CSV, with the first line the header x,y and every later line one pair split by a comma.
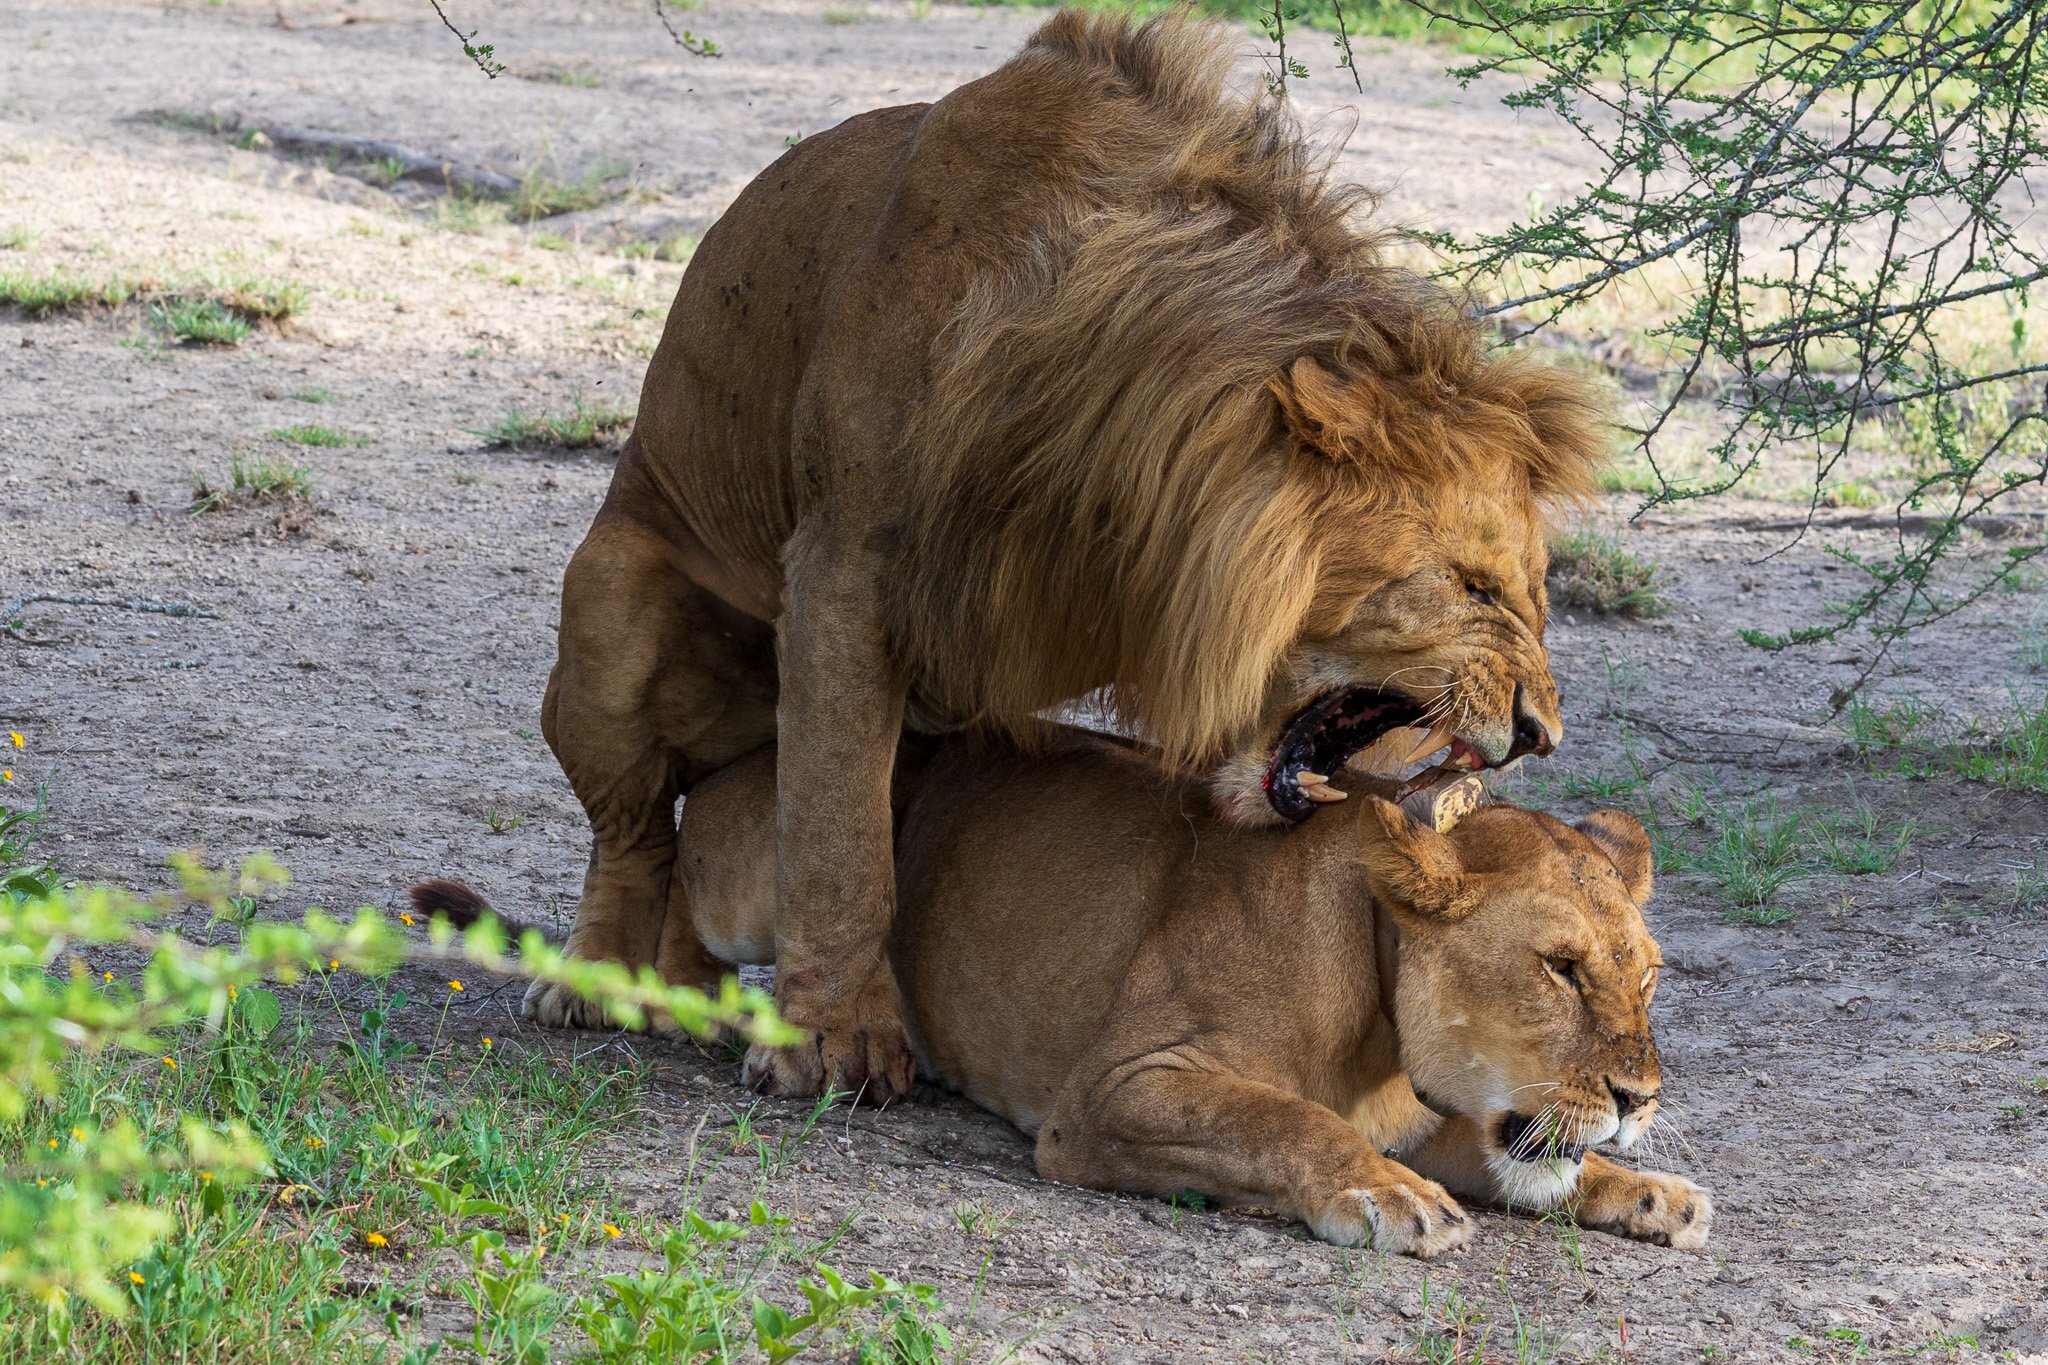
x,y
1852,1083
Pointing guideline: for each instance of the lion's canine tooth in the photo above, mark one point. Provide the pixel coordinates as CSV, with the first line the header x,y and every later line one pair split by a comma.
x,y
1309,779
1432,742
1324,794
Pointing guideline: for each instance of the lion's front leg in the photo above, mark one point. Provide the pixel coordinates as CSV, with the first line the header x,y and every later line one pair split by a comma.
x,y
838,720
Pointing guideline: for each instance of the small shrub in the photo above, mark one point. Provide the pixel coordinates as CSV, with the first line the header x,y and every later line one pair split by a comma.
x,y
585,425
1591,570
201,321
319,436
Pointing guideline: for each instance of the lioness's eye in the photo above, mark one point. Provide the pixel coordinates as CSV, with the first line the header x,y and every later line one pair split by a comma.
x,y
1567,969
1479,595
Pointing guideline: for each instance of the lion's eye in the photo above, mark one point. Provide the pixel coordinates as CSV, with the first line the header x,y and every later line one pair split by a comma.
x,y
1480,595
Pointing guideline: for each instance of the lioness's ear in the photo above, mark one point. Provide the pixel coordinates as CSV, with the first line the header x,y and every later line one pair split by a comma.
x,y
1324,413
1410,865
1627,845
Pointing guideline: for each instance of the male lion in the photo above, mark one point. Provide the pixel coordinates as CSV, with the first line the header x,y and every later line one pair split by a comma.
x,y
1255,1013
1084,377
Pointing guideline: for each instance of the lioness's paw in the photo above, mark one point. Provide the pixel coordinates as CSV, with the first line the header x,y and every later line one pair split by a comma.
x,y
1415,1217
1667,1210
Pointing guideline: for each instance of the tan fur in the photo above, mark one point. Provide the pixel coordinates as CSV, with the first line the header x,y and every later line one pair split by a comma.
x,y
1086,376
1215,1019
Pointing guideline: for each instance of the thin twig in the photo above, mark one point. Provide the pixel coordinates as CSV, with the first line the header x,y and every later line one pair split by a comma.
x,y
10,614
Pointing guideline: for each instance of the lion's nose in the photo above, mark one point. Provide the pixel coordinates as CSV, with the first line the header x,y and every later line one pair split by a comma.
x,y
1627,1101
1531,735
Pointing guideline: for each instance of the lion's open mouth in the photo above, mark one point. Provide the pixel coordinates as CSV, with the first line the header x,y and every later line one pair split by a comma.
x,y
1325,736
1523,1139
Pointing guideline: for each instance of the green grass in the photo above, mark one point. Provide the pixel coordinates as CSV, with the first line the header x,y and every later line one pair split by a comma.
x,y
308,435
1912,739
1590,570
678,248
251,479
209,307
315,395
583,426
1752,852
16,239
540,195
202,321
53,291
408,1167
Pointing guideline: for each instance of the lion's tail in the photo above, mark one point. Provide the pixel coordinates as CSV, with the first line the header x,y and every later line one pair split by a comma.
x,y
463,905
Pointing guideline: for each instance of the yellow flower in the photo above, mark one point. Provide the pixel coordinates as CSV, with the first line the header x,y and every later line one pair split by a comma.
x,y
205,1177
171,1062
14,738
135,1277
78,1134
6,774
233,993
488,1045
334,964
455,985
53,1144
313,1142
407,920
612,1231
377,1239
106,976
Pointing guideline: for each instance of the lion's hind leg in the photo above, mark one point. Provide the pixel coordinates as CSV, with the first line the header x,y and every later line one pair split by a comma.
x,y
656,685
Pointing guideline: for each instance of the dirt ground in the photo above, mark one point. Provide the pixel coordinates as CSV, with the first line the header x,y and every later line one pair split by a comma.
x,y
1852,1083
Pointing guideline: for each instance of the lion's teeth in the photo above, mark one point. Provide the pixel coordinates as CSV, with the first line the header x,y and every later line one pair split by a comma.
x,y
1432,742
1324,794
1309,779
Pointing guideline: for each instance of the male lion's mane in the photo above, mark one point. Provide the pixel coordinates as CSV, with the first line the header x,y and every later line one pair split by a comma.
x,y
1123,477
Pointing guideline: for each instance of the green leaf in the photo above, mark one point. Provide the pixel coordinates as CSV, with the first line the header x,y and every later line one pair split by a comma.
x,y
260,1012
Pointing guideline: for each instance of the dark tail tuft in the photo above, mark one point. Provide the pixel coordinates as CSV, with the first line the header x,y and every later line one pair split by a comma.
x,y
461,904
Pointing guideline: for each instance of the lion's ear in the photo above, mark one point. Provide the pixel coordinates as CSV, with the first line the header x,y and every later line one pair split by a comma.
x,y
1323,411
1410,865
1627,845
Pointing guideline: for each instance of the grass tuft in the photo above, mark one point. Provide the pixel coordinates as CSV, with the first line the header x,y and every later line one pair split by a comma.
x,y
55,292
1590,570
584,426
308,435
202,321
253,480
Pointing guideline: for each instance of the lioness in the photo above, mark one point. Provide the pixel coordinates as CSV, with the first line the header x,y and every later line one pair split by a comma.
x,y
1086,376
1170,1002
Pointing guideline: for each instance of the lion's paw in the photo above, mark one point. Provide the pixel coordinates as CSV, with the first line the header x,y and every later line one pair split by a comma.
x,y
552,1005
1407,1214
1667,1210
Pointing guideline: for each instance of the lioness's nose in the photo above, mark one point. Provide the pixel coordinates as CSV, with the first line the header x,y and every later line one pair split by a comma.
x,y
1532,736
1627,1101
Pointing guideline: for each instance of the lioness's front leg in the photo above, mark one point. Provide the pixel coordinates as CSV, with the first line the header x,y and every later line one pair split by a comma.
x,y
1649,1206
838,719
1164,1129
